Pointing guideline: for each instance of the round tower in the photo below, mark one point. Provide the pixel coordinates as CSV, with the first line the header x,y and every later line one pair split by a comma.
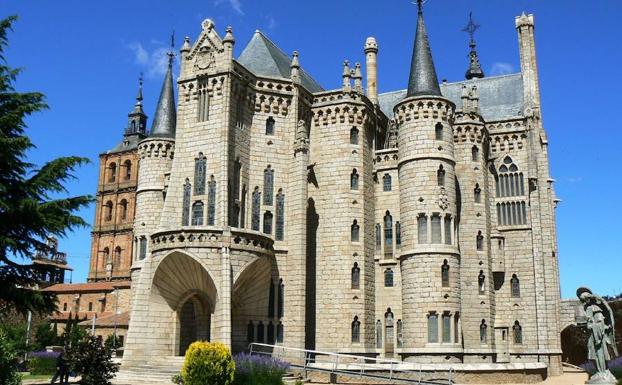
x,y
430,261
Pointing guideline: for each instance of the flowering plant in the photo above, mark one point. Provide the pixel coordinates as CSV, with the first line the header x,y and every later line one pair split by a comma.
x,y
258,370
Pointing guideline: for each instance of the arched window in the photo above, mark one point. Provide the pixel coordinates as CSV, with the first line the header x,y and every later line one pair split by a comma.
x,y
422,229
117,257
438,131
477,193
354,232
446,327
203,107
445,274
123,209
510,181
354,135
518,333
386,182
280,305
354,180
515,286
440,176
481,282
270,126
378,334
448,229
388,233
211,201
271,298
378,236
400,338
267,222
432,327
268,185
356,276
260,332
185,214
255,209
436,228
479,241
143,248
108,211
199,174
483,332
398,235
474,154
112,172
356,330
128,169
106,255
197,214
250,332
279,231
271,339
388,278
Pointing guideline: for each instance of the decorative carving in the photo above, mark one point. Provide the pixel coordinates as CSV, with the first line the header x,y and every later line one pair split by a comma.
x,y
443,199
204,58
301,141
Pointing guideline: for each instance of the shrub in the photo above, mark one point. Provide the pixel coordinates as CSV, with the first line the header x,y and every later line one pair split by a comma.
x,y
43,362
8,369
259,370
208,363
94,362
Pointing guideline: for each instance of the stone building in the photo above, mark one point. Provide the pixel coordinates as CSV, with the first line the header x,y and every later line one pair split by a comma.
x,y
417,224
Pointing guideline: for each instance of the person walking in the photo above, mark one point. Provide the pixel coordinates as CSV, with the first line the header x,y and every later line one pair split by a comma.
x,y
61,370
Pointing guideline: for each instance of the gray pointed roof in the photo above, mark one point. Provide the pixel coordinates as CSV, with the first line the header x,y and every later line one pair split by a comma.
x,y
165,120
422,79
264,58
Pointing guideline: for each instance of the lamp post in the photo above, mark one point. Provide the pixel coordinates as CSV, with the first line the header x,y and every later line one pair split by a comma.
x,y
116,314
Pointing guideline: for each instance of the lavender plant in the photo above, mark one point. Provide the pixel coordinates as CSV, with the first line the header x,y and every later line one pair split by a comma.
x,y
258,370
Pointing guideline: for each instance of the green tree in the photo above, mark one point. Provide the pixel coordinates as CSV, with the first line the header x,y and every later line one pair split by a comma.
x,y
45,336
8,369
94,362
30,209
15,338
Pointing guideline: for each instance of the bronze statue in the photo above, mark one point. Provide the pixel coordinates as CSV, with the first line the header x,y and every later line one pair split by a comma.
x,y
595,314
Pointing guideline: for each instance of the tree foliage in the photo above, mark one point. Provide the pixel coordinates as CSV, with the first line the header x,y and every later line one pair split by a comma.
x,y
8,367
30,207
94,362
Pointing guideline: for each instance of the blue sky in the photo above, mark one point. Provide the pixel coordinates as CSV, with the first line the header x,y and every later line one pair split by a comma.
x,y
86,57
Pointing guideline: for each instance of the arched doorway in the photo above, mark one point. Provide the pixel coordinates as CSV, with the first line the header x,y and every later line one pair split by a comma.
x,y
194,322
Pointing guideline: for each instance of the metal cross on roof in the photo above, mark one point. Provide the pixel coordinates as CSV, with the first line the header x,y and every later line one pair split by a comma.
x,y
471,27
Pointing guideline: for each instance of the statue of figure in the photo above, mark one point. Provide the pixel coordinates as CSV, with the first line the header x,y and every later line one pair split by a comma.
x,y
595,314
301,133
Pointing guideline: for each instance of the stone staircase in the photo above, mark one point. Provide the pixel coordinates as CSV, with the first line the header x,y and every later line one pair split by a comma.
x,y
158,371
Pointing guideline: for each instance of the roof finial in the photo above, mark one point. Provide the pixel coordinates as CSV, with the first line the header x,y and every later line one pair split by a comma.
x,y
139,96
171,53
475,69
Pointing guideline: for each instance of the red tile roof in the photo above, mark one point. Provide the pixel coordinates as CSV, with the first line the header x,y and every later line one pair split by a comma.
x,y
89,286
108,320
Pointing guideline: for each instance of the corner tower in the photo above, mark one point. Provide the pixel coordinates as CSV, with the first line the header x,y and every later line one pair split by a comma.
x,y
430,262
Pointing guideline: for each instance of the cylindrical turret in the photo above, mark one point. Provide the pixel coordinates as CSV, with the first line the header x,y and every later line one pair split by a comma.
x,y
371,67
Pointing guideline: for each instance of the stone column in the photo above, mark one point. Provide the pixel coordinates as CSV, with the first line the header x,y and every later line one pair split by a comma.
x,y
224,296
371,68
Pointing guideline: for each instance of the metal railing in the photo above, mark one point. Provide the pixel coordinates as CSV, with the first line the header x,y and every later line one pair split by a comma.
x,y
350,365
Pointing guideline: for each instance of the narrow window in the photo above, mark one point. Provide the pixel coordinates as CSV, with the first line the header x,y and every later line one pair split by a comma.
x,y
260,333
499,214
255,209
354,180
143,248
267,222
515,286
280,305
117,256
112,176
108,214
356,274
436,228
203,107
268,185
481,282
474,154
524,211
279,332
199,174
398,235
378,236
128,169
400,338
432,327
422,229
388,278
446,327
250,332
518,333
448,229
388,233
65,306
386,182
445,274
438,130
211,201
457,328
483,332
123,206
440,176
378,334
280,216
239,113
356,330
197,214
479,241
354,135
90,306
271,339
354,232
185,215
477,193
271,295
270,126
521,184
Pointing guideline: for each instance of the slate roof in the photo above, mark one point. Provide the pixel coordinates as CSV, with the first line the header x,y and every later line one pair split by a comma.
x,y
263,58
129,142
499,96
422,78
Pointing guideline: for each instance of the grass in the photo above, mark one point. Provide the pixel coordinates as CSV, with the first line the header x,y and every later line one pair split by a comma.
x,y
28,376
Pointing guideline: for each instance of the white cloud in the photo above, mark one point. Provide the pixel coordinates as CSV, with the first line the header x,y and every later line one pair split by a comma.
x,y
501,68
574,179
236,5
153,61
271,22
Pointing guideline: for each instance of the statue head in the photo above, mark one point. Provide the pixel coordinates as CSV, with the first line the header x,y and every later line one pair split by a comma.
x,y
584,294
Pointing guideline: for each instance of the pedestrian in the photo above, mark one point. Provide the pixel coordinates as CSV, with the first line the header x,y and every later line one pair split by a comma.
x,y
62,374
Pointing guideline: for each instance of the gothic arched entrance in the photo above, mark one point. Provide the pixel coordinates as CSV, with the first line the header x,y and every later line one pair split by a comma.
x,y
194,321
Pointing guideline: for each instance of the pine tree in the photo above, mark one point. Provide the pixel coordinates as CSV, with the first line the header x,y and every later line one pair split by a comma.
x,y
30,209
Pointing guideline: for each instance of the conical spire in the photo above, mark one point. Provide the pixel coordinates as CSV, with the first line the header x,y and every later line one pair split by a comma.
x,y
165,120
475,69
422,80
138,107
